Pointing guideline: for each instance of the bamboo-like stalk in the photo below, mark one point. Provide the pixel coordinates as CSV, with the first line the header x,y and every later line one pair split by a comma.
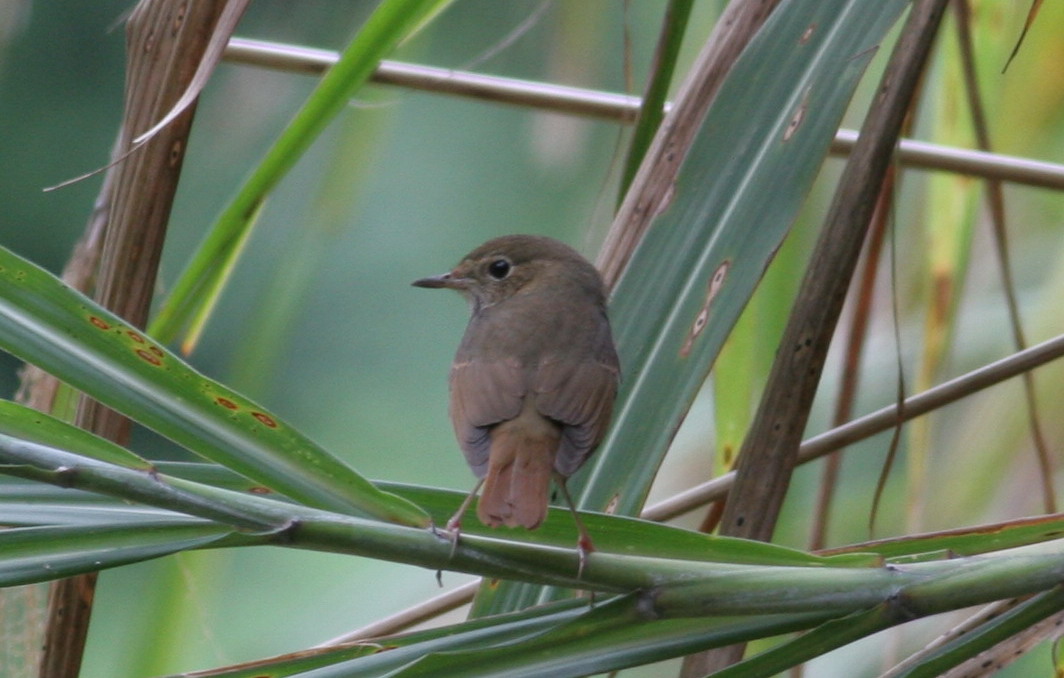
x,y
811,449
621,108
140,192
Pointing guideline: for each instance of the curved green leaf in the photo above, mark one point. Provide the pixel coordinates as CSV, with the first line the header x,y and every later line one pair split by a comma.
x,y
821,640
964,541
197,290
377,656
652,110
736,197
19,421
960,648
46,323
622,535
612,636
33,554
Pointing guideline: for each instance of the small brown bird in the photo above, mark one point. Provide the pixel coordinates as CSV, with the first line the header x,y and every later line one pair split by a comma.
x,y
534,379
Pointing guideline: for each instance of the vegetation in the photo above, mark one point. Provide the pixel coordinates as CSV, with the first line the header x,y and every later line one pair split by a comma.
x,y
287,361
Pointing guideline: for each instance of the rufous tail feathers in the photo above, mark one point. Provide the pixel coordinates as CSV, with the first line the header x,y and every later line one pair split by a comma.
x,y
519,471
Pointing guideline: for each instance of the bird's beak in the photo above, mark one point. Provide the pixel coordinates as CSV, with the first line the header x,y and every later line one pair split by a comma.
x,y
448,280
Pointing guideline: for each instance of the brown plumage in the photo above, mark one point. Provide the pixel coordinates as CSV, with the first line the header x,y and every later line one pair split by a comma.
x,y
534,379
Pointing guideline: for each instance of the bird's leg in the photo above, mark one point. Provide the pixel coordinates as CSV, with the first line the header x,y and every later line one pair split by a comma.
x,y
454,524
584,545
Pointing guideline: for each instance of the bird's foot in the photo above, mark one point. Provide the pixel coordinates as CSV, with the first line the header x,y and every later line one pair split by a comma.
x,y
584,548
453,530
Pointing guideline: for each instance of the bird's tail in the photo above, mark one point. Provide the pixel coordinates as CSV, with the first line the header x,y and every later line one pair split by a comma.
x,y
519,472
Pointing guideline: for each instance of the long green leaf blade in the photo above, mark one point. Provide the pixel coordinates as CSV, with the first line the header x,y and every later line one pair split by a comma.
x,y
612,636
651,112
736,197
44,322
390,23
749,168
377,656
23,422
34,554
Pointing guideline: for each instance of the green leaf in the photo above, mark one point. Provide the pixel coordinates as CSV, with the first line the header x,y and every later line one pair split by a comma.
x,y
737,195
612,636
821,640
23,422
376,656
630,536
34,504
651,112
33,554
965,541
46,323
749,168
197,290
997,630
614,534
265,520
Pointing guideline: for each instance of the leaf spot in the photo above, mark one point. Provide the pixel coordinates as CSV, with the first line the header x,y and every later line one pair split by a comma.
x,y
265,419
226,403
797,118
149,357
702,317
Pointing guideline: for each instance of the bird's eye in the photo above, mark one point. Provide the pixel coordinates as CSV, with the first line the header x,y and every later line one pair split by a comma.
x,y
499,269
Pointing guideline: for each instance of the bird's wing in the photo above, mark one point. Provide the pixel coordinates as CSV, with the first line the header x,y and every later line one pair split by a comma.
x,y
579,395
484,393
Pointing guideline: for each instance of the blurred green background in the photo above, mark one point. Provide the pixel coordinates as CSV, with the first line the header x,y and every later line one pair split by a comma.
x,y
321,325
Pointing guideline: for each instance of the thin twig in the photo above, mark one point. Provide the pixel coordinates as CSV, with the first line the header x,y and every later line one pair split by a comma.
x,y
995,197
621,108
429,609
876,422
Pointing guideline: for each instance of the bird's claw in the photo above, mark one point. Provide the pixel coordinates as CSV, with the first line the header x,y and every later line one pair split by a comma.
x,y
453,530
584,548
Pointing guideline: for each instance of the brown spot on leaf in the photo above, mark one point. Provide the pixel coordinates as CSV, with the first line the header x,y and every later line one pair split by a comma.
x,y
807,33
265,419
226,403
149,357
99,323
179,18
611,507
259,489
177,150
702,317
727,454
136,337
797,118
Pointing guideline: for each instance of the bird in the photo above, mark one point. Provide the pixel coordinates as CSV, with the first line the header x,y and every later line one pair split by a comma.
x,y
535,377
